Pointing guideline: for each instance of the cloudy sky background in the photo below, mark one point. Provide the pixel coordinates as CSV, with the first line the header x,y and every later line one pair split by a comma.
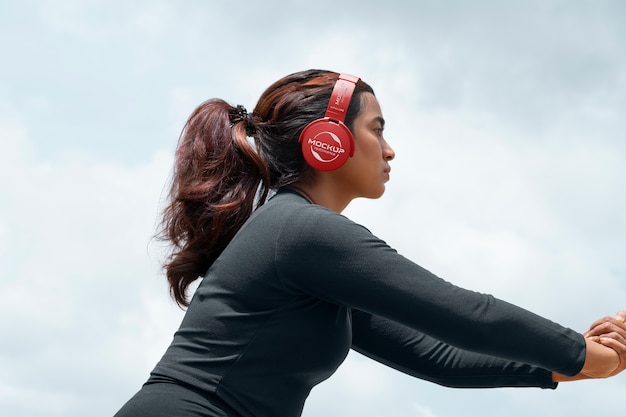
x,y
508,121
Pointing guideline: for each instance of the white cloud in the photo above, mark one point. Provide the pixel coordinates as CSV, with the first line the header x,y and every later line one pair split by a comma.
x,y
82,300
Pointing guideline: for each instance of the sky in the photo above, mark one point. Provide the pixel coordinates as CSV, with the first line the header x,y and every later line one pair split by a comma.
x,y
507,118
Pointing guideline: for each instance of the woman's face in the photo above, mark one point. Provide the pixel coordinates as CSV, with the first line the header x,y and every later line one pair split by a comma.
x,y
367,171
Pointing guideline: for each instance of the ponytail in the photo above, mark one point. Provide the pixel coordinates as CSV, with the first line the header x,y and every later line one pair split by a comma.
x,y
218,180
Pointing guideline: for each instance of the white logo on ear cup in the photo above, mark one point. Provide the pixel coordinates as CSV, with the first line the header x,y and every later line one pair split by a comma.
x,y
318,146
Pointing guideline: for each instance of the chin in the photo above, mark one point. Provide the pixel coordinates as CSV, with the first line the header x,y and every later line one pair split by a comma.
x,y
377,194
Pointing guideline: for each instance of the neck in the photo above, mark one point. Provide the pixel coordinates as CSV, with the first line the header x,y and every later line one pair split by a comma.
x,y
302,192
322,195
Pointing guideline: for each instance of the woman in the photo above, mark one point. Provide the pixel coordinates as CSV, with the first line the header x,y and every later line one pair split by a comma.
x,y
290,285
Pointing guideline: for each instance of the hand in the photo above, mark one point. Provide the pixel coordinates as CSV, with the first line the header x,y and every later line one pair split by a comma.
x,y
611,332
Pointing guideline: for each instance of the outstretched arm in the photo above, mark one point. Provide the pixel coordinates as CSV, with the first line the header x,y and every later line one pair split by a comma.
x,y
425,357
353,268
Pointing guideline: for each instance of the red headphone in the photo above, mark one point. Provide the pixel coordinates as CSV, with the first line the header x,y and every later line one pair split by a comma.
x,y
327,143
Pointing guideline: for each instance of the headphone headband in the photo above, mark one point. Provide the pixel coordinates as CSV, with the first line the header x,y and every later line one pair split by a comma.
x,y
340,97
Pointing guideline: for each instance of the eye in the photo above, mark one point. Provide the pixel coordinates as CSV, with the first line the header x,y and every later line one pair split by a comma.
x,y
379,131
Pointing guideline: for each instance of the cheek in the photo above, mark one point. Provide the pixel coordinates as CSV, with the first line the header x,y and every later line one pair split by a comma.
x,y
372,151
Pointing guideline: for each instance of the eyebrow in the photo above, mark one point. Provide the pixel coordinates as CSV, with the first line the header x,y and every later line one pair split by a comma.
x,y
380,120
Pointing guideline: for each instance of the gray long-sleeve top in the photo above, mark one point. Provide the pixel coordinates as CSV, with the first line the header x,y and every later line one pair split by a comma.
x,y
300,285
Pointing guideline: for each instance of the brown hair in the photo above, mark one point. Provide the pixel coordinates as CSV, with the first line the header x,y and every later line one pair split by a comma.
x,y
220,178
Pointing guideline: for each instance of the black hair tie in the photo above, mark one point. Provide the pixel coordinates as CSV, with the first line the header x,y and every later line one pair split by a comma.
x,y
240,114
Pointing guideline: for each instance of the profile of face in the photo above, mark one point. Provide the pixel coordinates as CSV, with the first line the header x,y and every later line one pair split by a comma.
x,y
367,171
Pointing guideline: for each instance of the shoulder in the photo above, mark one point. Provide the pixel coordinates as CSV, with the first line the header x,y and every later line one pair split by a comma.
x,y
315,224
296,228
295,215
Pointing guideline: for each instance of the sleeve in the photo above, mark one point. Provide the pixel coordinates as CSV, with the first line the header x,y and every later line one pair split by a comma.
x,y
424,357
325,255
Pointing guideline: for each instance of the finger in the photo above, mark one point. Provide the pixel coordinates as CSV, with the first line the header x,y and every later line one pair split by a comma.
x,y
617,326
615,336
621,316
598,328
618,347
607,326
599,322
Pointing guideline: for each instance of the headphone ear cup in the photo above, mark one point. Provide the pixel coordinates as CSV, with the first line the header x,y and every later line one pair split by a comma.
x,y
326,144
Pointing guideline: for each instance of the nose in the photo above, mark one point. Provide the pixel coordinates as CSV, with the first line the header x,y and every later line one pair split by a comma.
x,y
388,152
